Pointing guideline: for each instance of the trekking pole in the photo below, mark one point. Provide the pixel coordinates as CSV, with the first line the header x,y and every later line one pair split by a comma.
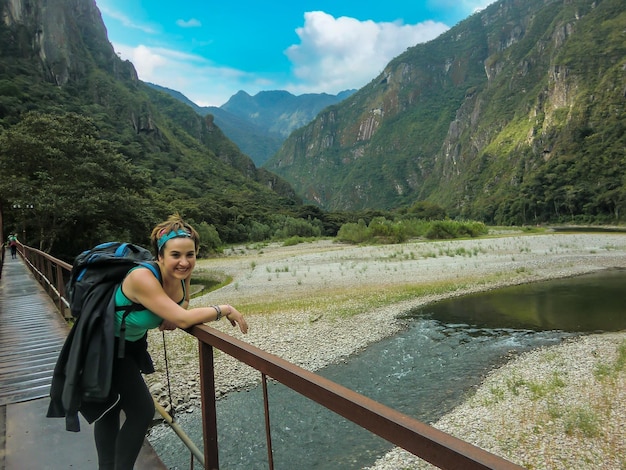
x,y
179,432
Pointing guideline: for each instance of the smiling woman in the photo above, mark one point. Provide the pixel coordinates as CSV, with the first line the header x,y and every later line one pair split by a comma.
x,y
162,305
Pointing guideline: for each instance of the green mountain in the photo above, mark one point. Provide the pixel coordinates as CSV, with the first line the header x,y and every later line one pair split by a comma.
x,y
258,143
259,124
55,59
280,112
515,115
276,113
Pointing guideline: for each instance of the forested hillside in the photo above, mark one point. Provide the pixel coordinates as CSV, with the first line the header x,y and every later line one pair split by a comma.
x,y
514,116
89,152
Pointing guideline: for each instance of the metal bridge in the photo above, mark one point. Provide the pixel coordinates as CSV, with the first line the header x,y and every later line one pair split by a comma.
x,y
31,336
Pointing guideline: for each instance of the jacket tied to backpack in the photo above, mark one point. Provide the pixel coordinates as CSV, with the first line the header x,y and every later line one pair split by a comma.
x,y
82,376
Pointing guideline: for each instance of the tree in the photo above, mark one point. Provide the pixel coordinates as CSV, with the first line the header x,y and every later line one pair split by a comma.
x,y
209,239
427,210
82,191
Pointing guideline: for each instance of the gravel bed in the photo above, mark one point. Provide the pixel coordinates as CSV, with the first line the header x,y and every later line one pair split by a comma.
x,y
312,336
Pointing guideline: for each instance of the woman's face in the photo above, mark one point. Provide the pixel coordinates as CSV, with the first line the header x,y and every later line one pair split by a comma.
x,y
179,257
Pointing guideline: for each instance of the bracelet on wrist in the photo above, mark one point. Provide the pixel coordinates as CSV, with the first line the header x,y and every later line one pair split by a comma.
x,y
219,312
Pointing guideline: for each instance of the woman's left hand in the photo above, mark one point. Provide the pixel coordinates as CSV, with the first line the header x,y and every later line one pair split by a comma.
x,y
236,318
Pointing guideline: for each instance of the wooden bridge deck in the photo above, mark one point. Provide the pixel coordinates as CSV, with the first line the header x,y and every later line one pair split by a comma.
x,y
31,336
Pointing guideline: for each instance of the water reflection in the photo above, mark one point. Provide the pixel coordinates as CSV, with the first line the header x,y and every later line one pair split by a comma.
x,y
594,302
424,372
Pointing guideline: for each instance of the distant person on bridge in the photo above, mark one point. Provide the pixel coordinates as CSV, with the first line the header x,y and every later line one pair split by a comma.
x,y
13,245
165,306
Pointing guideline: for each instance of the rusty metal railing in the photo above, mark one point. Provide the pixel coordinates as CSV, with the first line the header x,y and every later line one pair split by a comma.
x,y
422,440
50,272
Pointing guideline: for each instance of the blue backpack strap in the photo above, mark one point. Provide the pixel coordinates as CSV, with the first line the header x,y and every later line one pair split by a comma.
x,y
151,266
121,250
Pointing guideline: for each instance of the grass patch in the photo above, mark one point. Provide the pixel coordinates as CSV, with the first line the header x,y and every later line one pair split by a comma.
x,y
583,420
608,371
498,394
350,301
515,384
540,390
536,389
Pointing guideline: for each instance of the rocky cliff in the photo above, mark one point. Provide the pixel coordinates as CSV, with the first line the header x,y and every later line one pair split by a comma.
x,y
477,117
59,32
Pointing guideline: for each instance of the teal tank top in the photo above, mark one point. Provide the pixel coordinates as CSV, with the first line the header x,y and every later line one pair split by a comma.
x,y
138,322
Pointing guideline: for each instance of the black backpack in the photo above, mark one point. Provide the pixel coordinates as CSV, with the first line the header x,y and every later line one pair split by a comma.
x,y
83,372
104,267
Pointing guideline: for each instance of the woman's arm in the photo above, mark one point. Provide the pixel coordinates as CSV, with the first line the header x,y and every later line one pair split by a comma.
x,y
142,287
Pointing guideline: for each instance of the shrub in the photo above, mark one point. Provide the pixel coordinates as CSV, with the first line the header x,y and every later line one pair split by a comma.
x,y
442,230
258,231
294,227
291,241
472,229
446,229
353,233
384,230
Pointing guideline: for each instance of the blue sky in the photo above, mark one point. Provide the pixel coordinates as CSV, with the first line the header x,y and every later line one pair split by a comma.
x,y
209,50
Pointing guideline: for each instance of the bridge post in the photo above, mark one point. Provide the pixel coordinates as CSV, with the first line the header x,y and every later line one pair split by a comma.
x,y
209,410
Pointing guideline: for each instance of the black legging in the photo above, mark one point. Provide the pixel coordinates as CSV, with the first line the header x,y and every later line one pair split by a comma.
x,y
117,447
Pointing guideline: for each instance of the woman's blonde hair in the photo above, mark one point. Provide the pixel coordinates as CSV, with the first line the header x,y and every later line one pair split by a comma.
x,y
173,227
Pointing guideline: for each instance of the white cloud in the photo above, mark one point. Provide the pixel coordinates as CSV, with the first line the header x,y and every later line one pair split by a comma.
x,y
466,6
335,54
197,78
192,23
477,5
125,20
145,59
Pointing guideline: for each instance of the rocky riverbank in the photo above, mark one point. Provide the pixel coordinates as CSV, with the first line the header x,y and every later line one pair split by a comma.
x,y
562,407
301,303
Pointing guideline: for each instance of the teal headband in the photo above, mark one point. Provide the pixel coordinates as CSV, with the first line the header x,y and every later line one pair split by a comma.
x,y
173,234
